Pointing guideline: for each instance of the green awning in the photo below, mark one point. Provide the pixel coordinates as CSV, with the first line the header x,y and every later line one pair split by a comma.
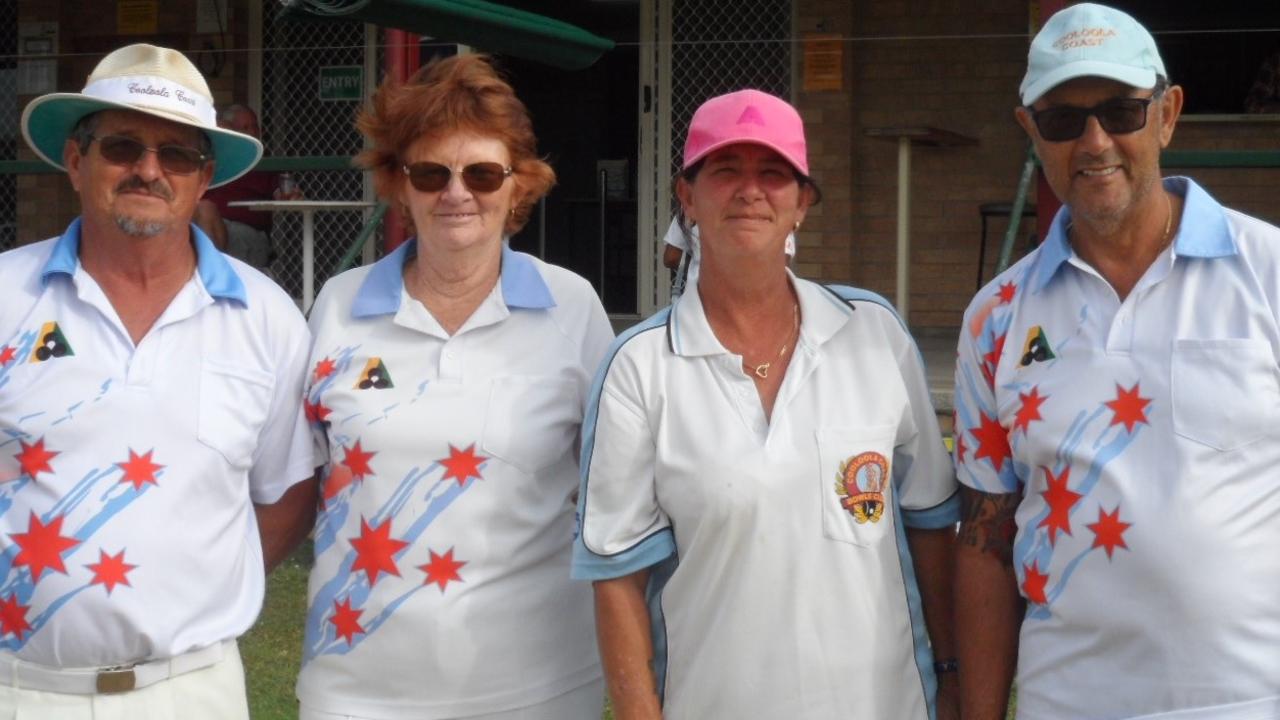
x,y
484,25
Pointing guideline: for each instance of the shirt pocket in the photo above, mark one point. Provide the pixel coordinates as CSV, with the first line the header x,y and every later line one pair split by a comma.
x,y
855,481
234,402
1225,392
531,421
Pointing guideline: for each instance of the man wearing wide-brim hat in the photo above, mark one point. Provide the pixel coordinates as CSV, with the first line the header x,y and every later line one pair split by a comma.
x,y
154,456
1117,413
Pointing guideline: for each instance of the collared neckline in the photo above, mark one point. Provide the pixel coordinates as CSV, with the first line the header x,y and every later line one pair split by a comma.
x,y
380,293
216,274
1203,231
822,314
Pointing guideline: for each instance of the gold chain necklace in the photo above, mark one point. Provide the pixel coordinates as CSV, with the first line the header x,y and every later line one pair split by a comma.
x,y
762,370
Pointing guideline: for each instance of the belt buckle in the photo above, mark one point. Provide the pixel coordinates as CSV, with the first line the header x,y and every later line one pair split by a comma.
x,y
117,679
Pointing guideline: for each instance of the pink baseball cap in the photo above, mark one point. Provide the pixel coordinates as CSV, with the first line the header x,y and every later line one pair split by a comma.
x,y
747,116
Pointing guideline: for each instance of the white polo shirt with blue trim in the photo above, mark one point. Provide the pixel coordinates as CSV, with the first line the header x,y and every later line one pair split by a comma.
x,y
441,584
1144,438
128,473
781,582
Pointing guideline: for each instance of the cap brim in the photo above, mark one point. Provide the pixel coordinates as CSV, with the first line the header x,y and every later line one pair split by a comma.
x,y
1144,78
48,120
746,140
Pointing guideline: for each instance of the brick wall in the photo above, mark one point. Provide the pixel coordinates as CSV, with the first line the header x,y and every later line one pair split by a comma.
x,y
87,31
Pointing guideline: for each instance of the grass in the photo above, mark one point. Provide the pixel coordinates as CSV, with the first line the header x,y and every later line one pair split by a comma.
x,y
272,649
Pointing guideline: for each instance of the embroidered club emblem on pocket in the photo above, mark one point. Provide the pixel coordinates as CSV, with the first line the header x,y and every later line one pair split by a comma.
x,y
860,483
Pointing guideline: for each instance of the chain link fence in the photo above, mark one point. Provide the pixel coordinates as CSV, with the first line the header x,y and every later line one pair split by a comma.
x,y
719,47
10,135
296,122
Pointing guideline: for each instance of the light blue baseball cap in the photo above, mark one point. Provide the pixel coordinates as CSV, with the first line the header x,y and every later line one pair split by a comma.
x,y
1089,40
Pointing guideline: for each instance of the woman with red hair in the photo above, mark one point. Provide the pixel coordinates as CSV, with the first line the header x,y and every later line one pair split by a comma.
x,y
447,390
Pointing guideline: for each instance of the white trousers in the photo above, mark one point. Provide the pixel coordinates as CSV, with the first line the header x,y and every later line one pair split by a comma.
x,y
584,703
212,693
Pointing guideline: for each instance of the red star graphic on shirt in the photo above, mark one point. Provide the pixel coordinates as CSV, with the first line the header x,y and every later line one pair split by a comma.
x,y
357,460
316,413
42,546
139,469
993,441
462,464
1060,500
1006,292
1129,408
1108,532
1029,411
13,617
442,569
375,550
34,459
960,449
323,369
346,621
6,355
991,359
110,570
1033,585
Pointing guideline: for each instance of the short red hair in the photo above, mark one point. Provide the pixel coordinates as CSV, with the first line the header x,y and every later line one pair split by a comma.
x,y
460,93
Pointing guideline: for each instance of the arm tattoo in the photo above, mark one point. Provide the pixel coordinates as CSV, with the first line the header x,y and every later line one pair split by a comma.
x,y
988,522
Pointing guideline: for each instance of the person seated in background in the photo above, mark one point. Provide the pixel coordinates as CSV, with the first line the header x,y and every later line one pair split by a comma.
x,y
1264,96
237,231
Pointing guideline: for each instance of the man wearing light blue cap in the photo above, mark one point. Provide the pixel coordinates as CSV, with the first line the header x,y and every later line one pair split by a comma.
x,y
1118,419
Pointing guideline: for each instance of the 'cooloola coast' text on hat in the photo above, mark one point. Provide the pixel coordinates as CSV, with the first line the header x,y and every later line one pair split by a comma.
x,y
1084,37
139,89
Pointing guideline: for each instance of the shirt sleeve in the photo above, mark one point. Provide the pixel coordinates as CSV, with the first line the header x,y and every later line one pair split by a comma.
x,y
923,475
982,455
283,456
621,529
675,236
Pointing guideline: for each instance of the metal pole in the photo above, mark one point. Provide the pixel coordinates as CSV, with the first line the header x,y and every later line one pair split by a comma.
x,y
604,196
903,293
542,227
1015,213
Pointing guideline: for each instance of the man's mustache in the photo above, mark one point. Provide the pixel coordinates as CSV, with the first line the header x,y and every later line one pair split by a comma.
x,y
157,187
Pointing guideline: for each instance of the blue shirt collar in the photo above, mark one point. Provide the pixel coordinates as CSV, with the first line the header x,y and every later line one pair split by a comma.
x,y
219,278
1203,231
379,294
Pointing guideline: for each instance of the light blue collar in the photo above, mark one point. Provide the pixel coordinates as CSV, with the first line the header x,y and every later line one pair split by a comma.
x,y
379,294
219,278
1203,231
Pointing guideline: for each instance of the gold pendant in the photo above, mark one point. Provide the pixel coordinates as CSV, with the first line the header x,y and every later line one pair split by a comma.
x,y
762,370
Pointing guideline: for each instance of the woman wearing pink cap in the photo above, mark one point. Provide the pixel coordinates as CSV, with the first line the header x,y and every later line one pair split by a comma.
x,y
767,508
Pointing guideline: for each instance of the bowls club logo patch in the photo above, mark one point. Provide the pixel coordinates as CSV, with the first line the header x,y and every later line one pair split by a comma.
x,y
860,483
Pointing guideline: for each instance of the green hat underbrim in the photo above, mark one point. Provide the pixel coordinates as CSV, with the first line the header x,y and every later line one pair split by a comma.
x,y
48,120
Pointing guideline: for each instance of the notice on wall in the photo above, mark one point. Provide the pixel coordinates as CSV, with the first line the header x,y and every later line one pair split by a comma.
x,y
823,62
137,17
37,61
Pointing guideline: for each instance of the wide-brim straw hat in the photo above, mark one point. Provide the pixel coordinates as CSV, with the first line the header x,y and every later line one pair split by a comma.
x,y
146,79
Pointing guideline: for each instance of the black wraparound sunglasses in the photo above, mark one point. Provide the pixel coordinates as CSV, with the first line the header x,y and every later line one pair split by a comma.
x,y
484,177
176,159
1118,116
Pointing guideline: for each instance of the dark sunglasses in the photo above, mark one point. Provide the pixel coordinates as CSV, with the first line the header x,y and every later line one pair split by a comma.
x,y
1118,116
485,177
176,159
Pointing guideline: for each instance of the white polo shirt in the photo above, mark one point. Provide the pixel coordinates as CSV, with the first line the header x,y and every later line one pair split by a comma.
x,y
128,474
782,586
1144,437
441,585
